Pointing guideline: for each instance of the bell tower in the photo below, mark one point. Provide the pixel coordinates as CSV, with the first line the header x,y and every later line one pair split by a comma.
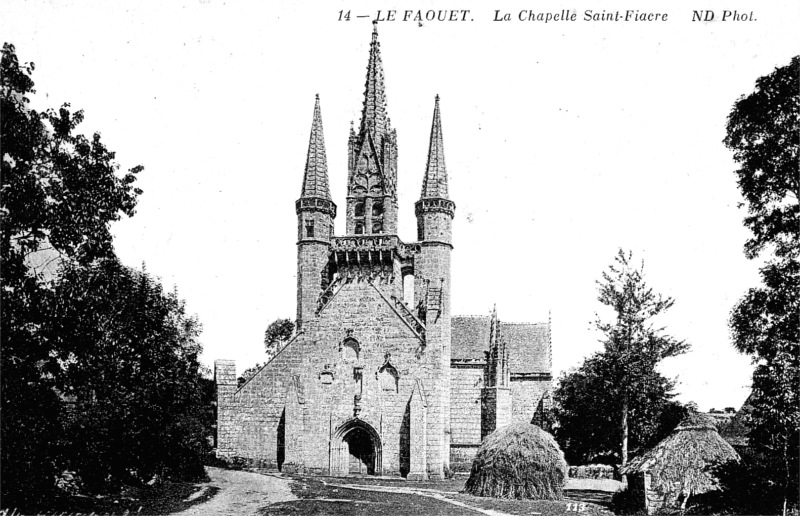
x,y
372,158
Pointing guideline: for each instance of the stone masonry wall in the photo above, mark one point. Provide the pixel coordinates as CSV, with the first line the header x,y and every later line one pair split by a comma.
x,y
258,407
225,379
433,264
465,415
359,312
312,257
525,397
327,372
461,457
496,409
465,405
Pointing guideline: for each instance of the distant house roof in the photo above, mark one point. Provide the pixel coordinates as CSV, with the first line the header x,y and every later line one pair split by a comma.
x,y
528,343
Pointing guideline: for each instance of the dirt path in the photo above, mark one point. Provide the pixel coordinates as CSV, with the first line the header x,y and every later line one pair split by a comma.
x,y
240,493
430,493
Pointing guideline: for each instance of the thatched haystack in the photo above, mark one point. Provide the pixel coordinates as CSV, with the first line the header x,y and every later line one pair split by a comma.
x,y
678,467
518,461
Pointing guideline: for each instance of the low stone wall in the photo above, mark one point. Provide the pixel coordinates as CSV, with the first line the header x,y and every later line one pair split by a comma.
x,y
592,471
461,457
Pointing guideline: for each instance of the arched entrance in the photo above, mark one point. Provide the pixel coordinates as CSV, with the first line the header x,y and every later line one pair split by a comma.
x,y
355,449
362,454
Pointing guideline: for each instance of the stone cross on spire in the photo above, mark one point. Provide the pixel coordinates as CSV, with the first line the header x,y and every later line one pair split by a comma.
x,y
315,179
434,184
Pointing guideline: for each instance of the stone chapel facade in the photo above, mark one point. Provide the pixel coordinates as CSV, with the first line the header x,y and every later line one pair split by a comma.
x,y
370,383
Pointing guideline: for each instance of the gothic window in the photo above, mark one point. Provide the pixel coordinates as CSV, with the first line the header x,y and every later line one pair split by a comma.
x,y
388,378
358,377
310,228
350,350
377,209
359,209
359,228
377,227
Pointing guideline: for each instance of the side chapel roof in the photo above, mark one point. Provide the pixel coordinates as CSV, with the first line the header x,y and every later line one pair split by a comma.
x,y
528,343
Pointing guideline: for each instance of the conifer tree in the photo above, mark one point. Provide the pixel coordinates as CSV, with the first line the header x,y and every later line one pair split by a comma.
x,y
617,396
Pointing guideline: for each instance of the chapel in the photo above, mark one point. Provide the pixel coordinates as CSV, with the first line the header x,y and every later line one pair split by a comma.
x,y
377,381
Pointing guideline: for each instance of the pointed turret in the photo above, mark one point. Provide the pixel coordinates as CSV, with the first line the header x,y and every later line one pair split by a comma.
x,y
435,213
496,402
315,180
315,214
494,328
498,354
434,184
434,210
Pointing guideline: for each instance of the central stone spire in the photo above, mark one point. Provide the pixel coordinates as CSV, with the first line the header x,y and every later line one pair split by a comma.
x,y
373,114
372,158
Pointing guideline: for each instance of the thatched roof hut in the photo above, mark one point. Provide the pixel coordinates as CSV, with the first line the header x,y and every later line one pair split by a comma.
x,y
518,461
678,467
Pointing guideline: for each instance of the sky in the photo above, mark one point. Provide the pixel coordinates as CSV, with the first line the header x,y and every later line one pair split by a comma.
x,y
565,141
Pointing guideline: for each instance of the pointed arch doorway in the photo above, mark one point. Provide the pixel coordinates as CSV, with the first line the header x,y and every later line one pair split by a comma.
x,y
356,449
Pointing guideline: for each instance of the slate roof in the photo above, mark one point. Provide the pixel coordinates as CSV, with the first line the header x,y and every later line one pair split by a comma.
x,y
315,179
528,343
434,184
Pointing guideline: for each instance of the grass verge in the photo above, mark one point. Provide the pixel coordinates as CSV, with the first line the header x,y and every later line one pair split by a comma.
x,y
329,495
166,498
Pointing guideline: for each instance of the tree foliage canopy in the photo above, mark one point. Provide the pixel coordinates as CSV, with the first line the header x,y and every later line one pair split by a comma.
x,y
96,335
249,373
631,339
278,334
59,192
129,356
58,187
764,134
588,409
618,395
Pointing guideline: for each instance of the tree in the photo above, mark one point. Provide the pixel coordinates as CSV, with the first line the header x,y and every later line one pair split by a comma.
x,y
60,192
129,356
249,373
587,411
617,398
763,132
278,334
